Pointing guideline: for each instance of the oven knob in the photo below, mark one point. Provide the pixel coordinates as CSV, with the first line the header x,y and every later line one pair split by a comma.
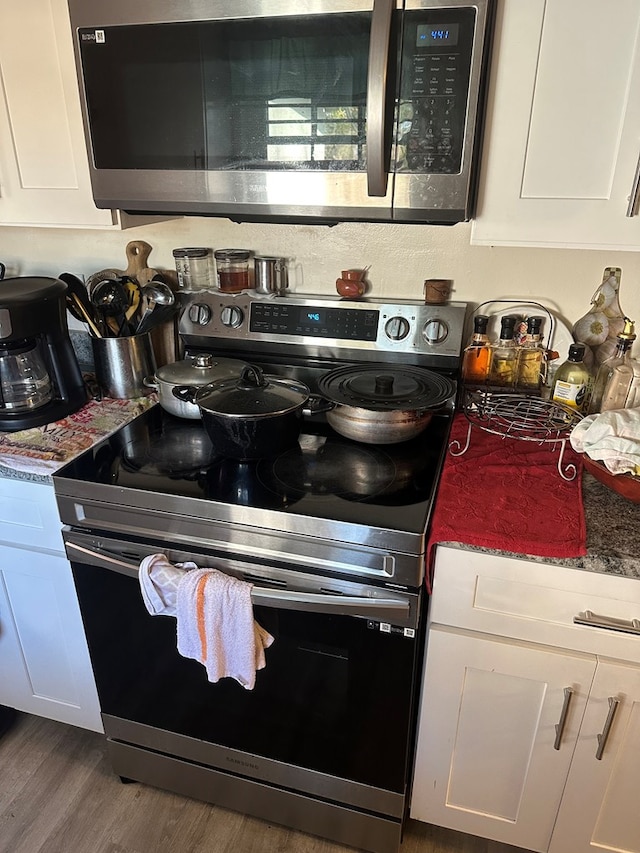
x,y
397,328
199,314
232,316
435,331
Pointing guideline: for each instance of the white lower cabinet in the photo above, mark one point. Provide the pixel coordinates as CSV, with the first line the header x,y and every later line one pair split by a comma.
x,y
526,734
600,808
44,660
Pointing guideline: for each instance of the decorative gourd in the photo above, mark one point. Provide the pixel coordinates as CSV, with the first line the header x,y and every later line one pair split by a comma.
x,y
599,327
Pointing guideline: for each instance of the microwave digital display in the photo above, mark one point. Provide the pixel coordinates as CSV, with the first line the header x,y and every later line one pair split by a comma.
x,y
442,34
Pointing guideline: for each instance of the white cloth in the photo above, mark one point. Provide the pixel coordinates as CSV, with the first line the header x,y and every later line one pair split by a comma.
x,y
612,438
159,581
214,613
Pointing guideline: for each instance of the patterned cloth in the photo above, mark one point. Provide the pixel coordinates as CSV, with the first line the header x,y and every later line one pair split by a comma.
x,y
507,494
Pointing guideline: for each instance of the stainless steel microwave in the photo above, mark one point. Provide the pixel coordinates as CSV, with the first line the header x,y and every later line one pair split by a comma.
x,y
286,110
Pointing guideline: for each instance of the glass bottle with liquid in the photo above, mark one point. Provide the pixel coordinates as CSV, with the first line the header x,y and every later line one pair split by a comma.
x,y
503,371
477,356
572,383
617,388
624,342
532,357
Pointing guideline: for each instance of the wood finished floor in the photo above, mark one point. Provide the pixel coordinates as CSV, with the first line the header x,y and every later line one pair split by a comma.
x,y
59,795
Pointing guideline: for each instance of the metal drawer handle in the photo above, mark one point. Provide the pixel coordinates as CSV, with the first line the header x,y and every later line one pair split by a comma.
x,y
628,626
568,693
602,738
632,209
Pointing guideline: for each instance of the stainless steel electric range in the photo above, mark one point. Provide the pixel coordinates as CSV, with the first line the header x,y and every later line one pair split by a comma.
x,y
332,534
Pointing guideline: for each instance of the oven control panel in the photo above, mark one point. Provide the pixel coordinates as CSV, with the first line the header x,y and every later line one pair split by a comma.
x,y
323,324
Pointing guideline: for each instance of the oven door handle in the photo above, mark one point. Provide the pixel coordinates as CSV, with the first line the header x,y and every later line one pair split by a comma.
x,y
386,610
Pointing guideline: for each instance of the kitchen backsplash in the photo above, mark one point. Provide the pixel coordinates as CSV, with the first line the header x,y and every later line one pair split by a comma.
x,y
399,257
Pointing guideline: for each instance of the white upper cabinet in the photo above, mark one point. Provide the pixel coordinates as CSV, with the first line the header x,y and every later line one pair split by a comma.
x,y
44,172
562,143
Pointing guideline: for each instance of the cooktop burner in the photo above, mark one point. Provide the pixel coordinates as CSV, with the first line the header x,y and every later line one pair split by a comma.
x,y
322,475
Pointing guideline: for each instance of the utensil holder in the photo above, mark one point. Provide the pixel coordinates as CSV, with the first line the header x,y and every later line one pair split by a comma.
x,y
121,365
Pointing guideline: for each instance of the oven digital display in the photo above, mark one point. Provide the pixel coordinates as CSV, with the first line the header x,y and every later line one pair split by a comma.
x,y
433,36
314,316
350,324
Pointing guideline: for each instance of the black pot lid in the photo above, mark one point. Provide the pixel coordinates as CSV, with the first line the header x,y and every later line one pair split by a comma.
x,y
381,387
252,395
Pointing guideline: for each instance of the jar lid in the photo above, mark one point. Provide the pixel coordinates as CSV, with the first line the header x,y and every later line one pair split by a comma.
x,y
231,254
253,395
195,252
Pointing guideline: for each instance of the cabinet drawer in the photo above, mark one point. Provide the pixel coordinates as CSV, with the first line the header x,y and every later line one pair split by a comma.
x,y
536,602
29,515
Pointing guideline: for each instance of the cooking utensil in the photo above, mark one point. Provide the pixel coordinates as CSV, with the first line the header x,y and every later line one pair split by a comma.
x,y
383,404
80,312
76,286
111,300
196,372
252,416
154,294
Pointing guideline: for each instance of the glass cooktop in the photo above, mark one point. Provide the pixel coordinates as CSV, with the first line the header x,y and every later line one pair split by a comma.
x,y
323,475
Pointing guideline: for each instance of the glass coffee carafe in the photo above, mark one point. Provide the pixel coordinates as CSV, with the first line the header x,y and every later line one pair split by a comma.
x,y
25,383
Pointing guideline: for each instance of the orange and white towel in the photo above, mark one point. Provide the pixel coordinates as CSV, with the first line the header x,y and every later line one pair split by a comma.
x,y
214,612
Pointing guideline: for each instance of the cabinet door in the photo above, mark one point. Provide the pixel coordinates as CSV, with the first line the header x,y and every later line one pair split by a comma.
x,y
599,810
563,137
485,761
43,651
44,174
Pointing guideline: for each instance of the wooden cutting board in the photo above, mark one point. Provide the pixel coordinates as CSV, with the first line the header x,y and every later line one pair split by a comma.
x,y
137,253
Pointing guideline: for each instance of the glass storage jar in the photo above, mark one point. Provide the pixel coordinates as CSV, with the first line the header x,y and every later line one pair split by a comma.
x,y
232,269
193,266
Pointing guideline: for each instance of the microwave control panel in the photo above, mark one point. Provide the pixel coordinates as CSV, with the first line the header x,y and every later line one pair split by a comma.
x,y
434,89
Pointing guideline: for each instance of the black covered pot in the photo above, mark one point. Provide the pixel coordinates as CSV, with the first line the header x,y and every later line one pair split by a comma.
x,y
253,416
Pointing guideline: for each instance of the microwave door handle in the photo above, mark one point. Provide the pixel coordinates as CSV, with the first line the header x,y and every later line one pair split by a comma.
x,y
376,95
377,609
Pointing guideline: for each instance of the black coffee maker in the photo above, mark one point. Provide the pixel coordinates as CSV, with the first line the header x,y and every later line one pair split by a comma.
x,y
40,380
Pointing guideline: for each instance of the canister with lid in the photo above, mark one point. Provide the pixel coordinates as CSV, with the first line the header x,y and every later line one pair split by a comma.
x,y
232,269
193,266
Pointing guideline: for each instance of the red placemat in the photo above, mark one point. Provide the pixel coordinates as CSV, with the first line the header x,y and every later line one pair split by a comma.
x,y
507,494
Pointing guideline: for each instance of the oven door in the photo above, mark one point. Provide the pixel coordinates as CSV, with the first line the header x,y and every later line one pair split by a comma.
x,y
331,713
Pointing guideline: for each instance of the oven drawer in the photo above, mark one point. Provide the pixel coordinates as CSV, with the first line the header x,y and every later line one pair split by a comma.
x,y
537,602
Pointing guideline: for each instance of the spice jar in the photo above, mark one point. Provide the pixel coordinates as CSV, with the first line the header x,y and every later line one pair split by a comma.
x,y
193,267
232,268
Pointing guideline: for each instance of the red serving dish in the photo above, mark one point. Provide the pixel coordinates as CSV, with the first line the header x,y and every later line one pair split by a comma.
x,y
626,485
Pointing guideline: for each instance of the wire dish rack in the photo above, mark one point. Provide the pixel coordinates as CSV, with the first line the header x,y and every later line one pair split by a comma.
x,y
522,417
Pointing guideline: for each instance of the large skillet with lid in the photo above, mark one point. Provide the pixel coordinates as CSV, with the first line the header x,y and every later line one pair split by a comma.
x,y
383,404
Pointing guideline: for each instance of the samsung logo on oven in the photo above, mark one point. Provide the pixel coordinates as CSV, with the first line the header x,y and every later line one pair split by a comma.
x,y
242,763
97,36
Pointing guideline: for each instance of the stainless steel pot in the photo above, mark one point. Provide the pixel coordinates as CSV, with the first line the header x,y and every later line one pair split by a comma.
x,y
196,372
383,404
